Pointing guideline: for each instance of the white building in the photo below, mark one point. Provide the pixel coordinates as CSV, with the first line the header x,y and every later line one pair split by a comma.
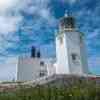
x,y
70,50
34,68
70,55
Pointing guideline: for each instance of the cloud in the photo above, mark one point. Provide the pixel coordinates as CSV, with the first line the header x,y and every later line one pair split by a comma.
x,y
38,8
13,13
6,5
10,20
9,17
9,24
41,21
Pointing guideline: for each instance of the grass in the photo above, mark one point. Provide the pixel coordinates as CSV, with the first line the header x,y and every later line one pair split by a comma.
x,y
78,91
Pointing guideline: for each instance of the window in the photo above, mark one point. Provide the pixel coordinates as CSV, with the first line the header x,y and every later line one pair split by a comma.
x,y
42,63
42,73
74,57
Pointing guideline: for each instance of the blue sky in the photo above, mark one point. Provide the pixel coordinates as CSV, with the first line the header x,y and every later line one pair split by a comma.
x,y
24,23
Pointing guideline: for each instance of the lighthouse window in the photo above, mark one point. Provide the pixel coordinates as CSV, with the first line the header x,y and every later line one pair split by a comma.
x,y
74,57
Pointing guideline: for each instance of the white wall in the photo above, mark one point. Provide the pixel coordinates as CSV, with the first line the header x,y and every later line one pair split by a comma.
x,y
84,56
70,44
73,42
50,67
29,68
62,55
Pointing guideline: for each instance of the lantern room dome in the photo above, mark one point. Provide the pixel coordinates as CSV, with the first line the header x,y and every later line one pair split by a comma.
x,y
67,22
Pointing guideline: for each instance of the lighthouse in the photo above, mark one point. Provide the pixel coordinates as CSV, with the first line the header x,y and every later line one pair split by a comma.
x,y
70,49
71,58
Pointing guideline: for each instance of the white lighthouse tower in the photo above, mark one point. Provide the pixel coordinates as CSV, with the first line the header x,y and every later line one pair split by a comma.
x,y
70,50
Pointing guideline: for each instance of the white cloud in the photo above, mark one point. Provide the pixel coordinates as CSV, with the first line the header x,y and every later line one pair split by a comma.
x,y
6,5
9,23
37,7
40,9
45,13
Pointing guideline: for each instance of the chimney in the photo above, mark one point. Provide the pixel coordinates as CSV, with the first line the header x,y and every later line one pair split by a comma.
x,y
33,52
38,54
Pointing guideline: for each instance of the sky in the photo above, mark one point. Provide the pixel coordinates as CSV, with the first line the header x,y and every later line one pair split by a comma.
x,y
24,23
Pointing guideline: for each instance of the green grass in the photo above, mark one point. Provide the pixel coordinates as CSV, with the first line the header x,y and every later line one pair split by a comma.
x,y
79,91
